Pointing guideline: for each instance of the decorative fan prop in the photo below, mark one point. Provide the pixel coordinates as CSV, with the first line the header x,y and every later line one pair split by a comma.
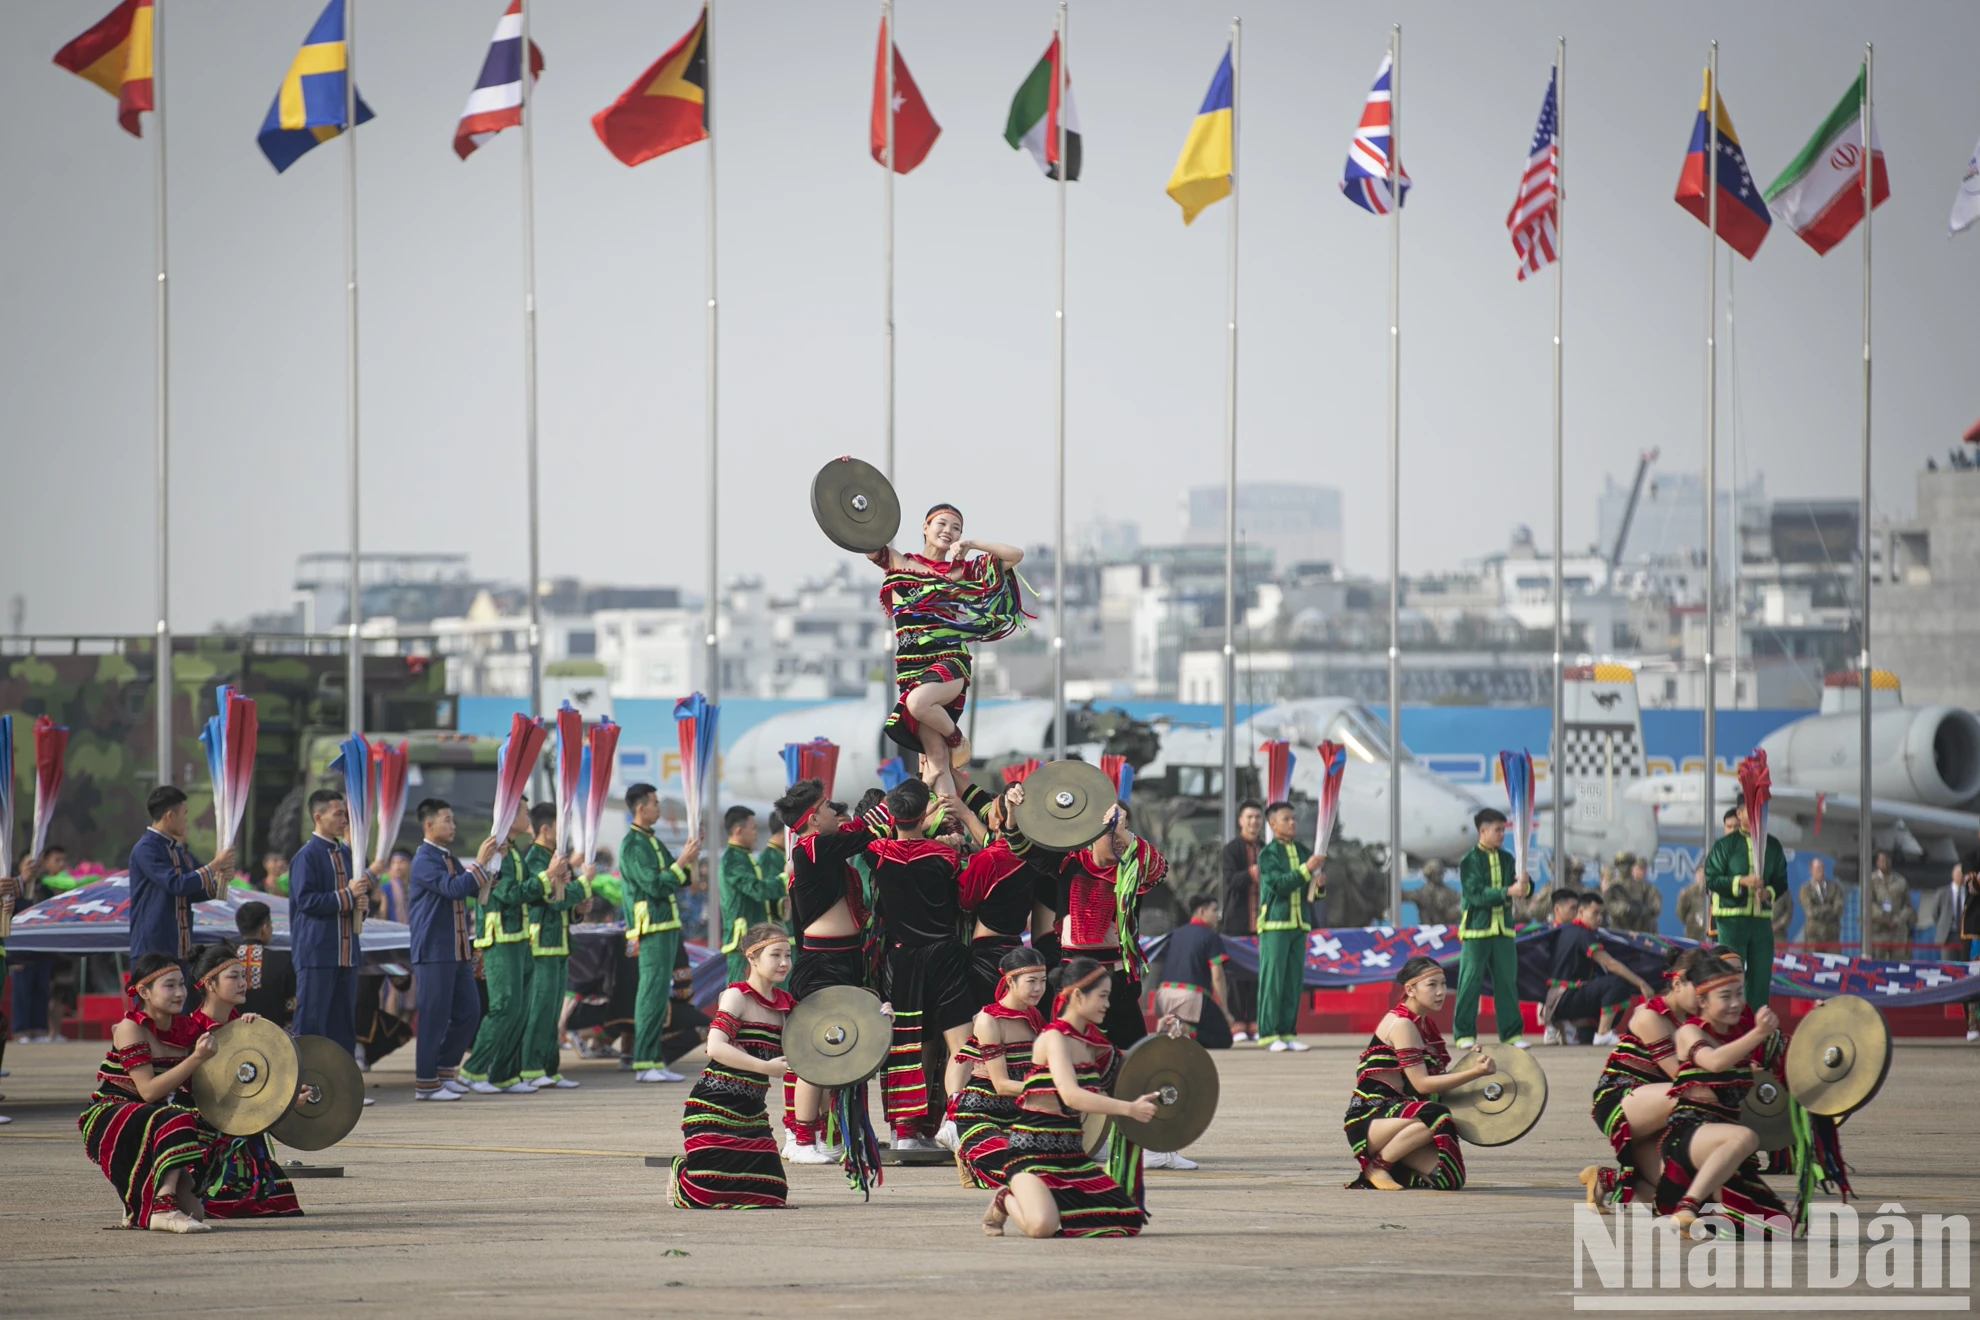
x,y
694,721
229,738
1517,767
513,766
1333,764
1279,761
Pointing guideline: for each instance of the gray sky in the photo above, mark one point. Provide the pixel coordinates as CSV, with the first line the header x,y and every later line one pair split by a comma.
x,y
257,269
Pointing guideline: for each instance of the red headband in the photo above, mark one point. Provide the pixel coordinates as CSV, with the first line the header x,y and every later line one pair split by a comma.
x,y
1059,1004
805,816
133,984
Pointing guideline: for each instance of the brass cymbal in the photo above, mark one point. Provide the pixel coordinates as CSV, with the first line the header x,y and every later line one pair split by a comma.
x,y
250,1080
1065,804
1839,1056
333,1098
1093,1130
855,506
1765,1110
1184,1080
1501,1108
837,1036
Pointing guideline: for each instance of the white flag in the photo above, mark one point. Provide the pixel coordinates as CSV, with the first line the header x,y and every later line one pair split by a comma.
x,y
1966,203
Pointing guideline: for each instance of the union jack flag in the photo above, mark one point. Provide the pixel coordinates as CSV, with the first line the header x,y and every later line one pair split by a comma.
x,y
1533,213
496,101
1366,179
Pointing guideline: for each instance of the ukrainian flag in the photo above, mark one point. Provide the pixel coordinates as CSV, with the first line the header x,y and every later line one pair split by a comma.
x,y
309,108
1203,171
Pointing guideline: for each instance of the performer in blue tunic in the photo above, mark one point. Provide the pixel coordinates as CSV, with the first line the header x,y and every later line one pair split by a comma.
x,y
442,954
166,880
327,896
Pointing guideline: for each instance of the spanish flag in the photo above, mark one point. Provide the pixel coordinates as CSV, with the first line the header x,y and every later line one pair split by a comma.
x,y
116,56
666,107
1203,171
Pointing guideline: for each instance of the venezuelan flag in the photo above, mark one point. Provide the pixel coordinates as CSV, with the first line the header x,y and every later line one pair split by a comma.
x,y
309,106
1743,215
1203,171
116,56
666,108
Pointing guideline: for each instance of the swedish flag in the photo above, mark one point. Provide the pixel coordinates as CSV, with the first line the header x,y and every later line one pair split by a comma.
x,y
309,107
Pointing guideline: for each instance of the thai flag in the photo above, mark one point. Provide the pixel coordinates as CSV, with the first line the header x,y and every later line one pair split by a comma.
x,y
388,766
570,762
1366,179
1517,768
353,762
1531,220
1279,761
1333,764
694,721
595,778
229,738
514,765
496,101
1121,771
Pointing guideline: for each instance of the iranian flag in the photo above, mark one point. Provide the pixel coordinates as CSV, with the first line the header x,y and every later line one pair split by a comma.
x,y
1035,115
1820,194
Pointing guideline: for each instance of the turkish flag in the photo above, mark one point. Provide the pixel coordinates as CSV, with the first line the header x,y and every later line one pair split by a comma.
x,y
915,130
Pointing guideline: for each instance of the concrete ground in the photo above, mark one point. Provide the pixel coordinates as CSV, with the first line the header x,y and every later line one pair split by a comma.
x,y
543,1206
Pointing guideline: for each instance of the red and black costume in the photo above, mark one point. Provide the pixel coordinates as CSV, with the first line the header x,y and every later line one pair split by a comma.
x,y
983,1117
1382,1090
1101,919
1046,1141
822,877
1705,1097
1632,1063
729,1159
243,1179
939,607
137,1142
995,894
926,971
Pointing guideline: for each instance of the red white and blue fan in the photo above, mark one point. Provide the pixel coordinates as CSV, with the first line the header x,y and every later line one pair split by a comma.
x,y
353,762
51,749
513,767
817,759
1279,761
388,767
1121,771
595,780
1756,789
1021,771
1333,764
570,764
892,773
6,816
230,738
694,721
1517,767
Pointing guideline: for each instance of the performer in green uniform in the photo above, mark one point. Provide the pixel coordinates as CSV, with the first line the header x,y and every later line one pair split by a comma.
x,y
750,895
495,1062
651,878
1285,885
771,861
549,893
1489,891
1743,902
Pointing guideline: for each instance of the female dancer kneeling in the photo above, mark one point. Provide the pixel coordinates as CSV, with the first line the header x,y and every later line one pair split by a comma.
x,y
999,1050
1707,1152
1400,1138
940,603
244,1180
1633,1097
729,1158
1056,1190
140,1127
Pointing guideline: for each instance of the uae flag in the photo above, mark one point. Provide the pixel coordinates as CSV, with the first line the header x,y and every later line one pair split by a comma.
x,y
1820,193
1035,116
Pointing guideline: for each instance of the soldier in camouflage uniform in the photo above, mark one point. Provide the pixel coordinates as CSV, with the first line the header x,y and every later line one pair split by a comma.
x,y
1646,903
1436,902
1618,906
1888,912
1695,905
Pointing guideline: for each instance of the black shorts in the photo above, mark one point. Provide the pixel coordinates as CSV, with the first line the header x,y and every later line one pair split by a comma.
x,y
825,961
1587,1000
933,978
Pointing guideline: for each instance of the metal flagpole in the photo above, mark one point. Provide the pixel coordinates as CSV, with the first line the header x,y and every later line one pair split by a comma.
x,y
887,22
529,378
1866,855
354,657
711,808
1230,467
1557,758
161,334
1059,423
1395,474
1711,795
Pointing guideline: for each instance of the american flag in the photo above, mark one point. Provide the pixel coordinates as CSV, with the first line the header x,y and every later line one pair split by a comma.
x,y
1366,179
1531,219
496,101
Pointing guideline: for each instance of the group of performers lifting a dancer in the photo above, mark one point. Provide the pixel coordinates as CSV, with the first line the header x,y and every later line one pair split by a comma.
x,y
925,895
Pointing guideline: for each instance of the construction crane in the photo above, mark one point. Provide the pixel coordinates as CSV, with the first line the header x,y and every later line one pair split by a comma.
x,y
1643,462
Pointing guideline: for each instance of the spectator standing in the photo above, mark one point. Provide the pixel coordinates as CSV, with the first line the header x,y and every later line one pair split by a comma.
x,y
1821,908
1888,912
1239,893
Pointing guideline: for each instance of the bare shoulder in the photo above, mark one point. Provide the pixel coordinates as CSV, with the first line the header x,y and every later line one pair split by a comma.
x,y
1399,1032
126,1034
733,1002
987,1029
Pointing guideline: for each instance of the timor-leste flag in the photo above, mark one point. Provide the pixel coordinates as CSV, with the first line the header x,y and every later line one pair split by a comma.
x,y
116,56
666,107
